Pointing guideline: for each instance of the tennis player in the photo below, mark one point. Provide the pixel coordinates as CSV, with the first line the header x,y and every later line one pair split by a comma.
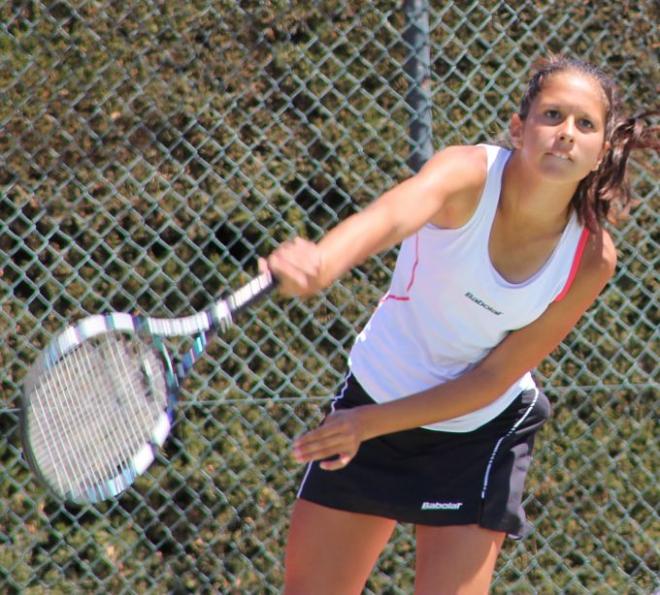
x,y
502,251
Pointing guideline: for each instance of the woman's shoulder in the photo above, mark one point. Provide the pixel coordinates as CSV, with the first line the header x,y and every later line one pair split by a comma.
x,y
600,256
461,171
461,167
596,268
474,157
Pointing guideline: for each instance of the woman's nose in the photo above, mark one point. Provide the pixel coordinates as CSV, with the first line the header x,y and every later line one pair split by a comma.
x,y
567,132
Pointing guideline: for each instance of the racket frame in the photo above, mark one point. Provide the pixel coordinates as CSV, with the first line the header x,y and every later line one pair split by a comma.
x,y
153,331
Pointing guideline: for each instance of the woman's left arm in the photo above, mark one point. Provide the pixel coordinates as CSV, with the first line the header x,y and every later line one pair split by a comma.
x,y
520,351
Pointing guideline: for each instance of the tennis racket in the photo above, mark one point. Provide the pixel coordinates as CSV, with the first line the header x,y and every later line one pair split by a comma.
x,y
99,401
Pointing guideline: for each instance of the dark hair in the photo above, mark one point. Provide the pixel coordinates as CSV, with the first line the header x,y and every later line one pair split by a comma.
x,y
605,194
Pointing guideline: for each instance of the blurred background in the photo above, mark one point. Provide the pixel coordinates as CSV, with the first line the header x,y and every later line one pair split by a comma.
x,y
150,151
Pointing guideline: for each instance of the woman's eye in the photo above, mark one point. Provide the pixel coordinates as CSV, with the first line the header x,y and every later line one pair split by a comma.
x,y
586,123
553,114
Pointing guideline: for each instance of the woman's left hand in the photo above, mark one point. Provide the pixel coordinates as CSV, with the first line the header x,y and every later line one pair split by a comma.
x,y
335,442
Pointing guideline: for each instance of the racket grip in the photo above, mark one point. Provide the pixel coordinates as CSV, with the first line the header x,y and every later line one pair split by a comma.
x,y
251,292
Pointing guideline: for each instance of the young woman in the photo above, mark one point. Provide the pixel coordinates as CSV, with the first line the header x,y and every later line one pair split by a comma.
x,y
502,252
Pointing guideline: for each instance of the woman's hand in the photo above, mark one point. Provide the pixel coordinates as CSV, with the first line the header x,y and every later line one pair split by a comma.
x,y
335,442
296,264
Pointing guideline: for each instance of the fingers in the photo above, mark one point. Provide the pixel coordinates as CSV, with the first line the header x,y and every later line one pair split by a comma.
x,y
334,443
297,266
336,463
316,446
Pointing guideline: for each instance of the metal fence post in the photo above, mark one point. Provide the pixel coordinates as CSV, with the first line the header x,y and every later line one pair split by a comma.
x,y
418,69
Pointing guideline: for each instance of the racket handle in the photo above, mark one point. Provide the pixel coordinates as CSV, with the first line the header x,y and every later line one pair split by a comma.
x,y
251,292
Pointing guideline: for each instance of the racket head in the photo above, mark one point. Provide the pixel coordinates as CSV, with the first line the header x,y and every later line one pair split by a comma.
x,y
96,405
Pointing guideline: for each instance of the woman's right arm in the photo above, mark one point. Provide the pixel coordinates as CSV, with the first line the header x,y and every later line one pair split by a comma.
x,y
444,192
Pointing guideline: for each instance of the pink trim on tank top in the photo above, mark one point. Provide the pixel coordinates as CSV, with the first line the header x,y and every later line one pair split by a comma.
x,y
582,243
411,282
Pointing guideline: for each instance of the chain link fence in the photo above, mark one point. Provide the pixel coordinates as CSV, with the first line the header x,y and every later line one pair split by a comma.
x,y
151,150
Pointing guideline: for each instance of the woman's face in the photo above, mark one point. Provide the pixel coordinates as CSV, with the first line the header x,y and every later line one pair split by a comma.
x,y
563,136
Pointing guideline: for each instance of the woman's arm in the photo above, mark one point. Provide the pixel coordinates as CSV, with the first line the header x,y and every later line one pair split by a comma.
x,y
444,191
520,351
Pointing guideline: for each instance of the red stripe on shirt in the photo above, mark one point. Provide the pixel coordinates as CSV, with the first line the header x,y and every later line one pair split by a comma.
x,y
576,263
411,282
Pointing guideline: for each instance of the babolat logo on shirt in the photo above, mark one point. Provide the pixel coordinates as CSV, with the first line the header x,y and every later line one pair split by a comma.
x,y
479,302
441,505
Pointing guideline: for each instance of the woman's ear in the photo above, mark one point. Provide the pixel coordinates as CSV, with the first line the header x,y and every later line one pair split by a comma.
x,y
516,130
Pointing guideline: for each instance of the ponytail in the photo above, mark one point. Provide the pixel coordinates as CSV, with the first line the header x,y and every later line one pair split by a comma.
x,y
605,195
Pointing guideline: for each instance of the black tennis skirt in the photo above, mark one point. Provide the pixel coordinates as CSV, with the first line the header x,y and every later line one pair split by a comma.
x,y
436,478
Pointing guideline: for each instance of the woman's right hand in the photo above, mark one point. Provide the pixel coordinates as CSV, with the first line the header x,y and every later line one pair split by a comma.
x,y
296,264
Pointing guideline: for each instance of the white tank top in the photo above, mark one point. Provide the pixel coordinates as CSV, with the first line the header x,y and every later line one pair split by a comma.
x,y
447,307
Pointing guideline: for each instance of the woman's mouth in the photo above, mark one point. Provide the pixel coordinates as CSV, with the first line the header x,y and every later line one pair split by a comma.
x,y
558,155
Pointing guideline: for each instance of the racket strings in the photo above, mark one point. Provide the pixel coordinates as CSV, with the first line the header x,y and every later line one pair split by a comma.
x,y
133,433
103,442
54,425
106,438
65,419
94,410
73,369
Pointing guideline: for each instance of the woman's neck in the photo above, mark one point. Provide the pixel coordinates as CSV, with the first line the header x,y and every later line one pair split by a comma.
x,y
533,203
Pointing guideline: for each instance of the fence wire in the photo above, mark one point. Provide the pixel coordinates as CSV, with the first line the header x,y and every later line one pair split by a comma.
x,y
152,150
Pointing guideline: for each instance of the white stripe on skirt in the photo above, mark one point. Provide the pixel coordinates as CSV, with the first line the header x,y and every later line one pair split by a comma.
x,y
332,409
491,460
